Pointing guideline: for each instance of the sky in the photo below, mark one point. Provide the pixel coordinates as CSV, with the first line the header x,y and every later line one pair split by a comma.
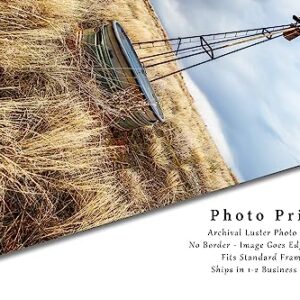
x,y
249,100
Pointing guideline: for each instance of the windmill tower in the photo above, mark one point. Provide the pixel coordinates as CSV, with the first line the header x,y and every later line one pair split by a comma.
x,y
120,63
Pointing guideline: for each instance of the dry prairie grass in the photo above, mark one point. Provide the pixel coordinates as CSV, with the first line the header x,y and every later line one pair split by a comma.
x,y
63,168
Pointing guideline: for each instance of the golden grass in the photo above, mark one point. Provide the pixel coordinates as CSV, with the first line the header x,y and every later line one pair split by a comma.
x,y
64,167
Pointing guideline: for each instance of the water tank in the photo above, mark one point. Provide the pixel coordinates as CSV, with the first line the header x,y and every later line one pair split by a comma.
x,y
117,67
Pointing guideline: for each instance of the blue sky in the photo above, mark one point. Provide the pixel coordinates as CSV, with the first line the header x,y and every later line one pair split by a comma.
x,y
249,100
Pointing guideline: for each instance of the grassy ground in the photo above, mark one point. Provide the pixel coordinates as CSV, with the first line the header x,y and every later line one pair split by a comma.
x,y
63,168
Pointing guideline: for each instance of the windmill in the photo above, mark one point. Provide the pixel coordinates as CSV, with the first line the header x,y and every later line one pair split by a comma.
x,y
120,63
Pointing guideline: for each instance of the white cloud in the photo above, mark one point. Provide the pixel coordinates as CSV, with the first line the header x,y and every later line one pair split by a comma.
x,y
212,121
252,109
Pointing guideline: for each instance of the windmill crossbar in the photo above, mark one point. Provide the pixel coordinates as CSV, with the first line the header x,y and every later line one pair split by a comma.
x,y
207,48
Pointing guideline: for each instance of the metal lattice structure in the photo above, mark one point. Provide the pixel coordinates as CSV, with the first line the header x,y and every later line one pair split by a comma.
x,y
210,47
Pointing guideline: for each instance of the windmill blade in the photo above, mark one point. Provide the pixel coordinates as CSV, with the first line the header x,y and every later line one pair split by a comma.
x,y
297,19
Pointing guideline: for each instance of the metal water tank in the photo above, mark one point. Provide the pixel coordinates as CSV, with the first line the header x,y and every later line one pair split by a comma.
x,y
117,67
